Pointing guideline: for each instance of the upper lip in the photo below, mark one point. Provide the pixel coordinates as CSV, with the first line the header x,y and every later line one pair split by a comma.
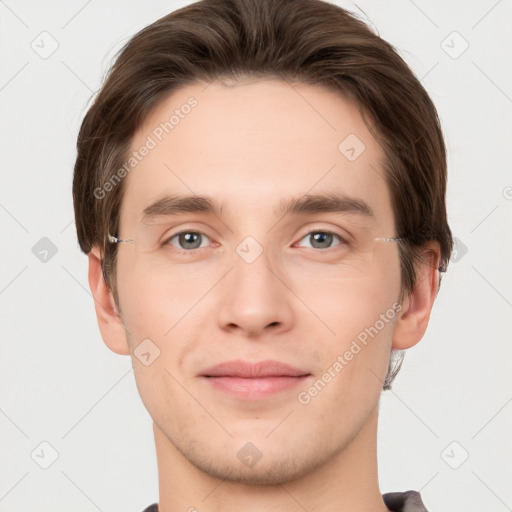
x,y
239,368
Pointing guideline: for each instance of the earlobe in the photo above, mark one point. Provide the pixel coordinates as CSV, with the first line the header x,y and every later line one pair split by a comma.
x,y
109,321
412,321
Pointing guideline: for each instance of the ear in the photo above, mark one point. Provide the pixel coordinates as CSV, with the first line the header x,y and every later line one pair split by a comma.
x,y
109,321
413,318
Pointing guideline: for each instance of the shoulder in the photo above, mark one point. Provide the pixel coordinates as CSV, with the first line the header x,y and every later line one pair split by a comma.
x,y
409,501
151,508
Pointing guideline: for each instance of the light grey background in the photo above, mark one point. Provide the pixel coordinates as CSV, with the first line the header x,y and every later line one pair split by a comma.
x,y
61,385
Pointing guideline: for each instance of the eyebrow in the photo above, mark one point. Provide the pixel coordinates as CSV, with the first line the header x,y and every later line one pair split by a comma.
x,y
307,204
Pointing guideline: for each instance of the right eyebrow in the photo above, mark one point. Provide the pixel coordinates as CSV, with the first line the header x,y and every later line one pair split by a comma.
x,y
174,205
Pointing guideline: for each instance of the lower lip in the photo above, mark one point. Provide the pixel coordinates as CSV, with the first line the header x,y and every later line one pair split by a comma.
x,y
255,388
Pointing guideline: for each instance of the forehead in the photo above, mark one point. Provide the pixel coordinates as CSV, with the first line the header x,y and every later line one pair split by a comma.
x,y
253,145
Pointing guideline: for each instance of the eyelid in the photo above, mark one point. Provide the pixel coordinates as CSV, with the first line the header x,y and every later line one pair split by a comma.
x,y
343,234
170,233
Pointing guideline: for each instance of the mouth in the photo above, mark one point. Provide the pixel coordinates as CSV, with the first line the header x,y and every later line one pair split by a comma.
x,y
254,381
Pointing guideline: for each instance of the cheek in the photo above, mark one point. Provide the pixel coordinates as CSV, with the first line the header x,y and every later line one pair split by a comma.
x,y
354,323
354,360
347,302
152,302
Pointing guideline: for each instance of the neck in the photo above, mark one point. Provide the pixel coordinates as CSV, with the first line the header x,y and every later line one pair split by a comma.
x,y
346,482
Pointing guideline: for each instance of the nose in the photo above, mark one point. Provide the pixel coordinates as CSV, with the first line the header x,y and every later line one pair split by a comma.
x,y
255,296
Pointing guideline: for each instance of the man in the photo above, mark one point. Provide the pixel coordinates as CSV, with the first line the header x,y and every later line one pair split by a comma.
x,y
260,187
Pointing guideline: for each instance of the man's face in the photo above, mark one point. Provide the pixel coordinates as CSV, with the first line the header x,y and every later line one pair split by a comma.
x,y
251,284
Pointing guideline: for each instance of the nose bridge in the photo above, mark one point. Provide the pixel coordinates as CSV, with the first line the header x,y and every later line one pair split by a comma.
x,y
254,296
255,268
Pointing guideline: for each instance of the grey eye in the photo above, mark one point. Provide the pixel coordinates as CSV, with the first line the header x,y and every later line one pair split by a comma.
x,y
188,240
322,239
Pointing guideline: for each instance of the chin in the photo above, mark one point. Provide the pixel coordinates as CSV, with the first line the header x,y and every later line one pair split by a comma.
x,y
270,466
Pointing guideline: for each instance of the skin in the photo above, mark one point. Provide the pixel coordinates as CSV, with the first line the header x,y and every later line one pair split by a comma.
x,y
250,145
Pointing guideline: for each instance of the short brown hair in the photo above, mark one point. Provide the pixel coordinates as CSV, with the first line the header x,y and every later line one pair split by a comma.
x,y
307,41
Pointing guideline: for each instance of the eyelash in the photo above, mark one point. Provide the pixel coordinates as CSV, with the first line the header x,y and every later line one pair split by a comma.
x,y
343,241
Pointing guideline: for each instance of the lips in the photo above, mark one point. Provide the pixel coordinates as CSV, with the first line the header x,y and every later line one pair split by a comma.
x,y
253,381
239,368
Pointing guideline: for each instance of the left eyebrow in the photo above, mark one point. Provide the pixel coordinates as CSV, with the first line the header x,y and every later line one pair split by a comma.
x,y
307,204
325,202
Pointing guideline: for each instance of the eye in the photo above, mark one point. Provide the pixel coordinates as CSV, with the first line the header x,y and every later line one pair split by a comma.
x,y
188,240
323,239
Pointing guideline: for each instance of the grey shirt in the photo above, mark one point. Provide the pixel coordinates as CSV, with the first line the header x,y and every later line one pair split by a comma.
x,y
409,501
